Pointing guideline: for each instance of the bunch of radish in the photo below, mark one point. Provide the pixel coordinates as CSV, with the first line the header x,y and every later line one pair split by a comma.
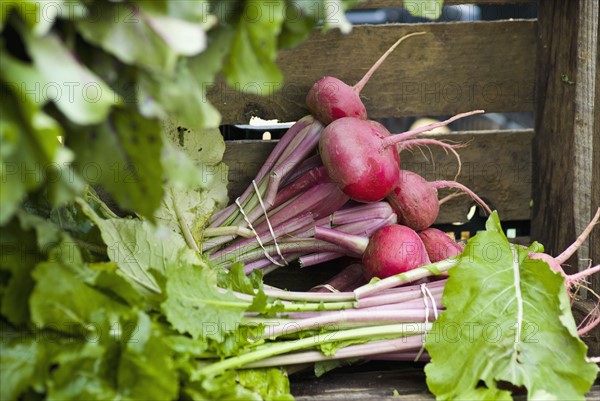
x,y
350,198
334,187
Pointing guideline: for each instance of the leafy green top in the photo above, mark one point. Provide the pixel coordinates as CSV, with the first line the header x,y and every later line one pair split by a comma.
x,y
507,321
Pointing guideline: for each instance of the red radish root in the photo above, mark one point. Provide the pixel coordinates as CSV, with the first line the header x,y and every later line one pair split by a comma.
x,y
439,245
330,99
415,200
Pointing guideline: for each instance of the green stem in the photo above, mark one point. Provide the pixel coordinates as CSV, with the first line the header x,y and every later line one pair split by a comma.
x,y
185,229
228,230
279,348
410,276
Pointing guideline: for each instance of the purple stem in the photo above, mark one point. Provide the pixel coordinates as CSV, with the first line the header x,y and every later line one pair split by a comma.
x,y
409,343
353,243
409,356
284,168
308,180
348,316
347,280
289,248
309,201
218,218
318,258
308,164
298,223
394,298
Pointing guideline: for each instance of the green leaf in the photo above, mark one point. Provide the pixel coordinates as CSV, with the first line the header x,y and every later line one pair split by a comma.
x,y
507,319
26,241
137,246
133,172
251,61
430,9
182,96
271,383
18,360
195,306
77,92
193,202
138,36
40,15
31,154
146,369
107,278
62,302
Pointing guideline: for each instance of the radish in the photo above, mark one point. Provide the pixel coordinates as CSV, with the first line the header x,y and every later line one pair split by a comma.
x,y
330,99
391,250
362,158
439,245
415,200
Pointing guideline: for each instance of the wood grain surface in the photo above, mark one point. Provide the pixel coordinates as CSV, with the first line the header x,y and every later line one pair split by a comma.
x,y
566,132
495,164
456,67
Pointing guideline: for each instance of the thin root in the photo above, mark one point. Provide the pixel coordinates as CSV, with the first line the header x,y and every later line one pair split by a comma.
x,y
446,146
450,196
567,253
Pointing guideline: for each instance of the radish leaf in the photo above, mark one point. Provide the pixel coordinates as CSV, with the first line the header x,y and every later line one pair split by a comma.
x,y
507,320
194,305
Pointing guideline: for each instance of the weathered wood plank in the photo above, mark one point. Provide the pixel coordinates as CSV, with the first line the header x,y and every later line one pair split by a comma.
x,y
401,3
595,237
564,143
495,164
455,68
373,384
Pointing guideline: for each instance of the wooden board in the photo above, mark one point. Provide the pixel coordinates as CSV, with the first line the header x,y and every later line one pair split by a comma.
x,y
566,136
401,3
454,68
496,165
375,381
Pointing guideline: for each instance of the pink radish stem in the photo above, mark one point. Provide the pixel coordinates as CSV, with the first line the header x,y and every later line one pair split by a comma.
x,y
567,253
363,81
453,184
424,141
394,139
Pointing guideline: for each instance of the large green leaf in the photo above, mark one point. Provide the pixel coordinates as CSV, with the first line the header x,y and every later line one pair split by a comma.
x,y
251,61
507,320
146,369
133,173
193,202
30,152
195,306
18,360
80,94
62,302
135,36
25,242
182,96
137,247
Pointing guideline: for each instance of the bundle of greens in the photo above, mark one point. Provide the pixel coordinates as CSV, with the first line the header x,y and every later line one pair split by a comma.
x,y
101,304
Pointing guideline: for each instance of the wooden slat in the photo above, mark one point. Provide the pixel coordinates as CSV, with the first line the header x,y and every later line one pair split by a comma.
x,y
375,381
566,136
496,165
456,67
595,237
400,3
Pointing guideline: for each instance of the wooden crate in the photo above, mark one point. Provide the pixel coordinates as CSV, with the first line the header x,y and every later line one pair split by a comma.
x,y
549,175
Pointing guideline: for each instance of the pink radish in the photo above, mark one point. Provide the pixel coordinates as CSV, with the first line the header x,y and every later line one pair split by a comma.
x,y
391,250
439,245
362,158
330,99
415,200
